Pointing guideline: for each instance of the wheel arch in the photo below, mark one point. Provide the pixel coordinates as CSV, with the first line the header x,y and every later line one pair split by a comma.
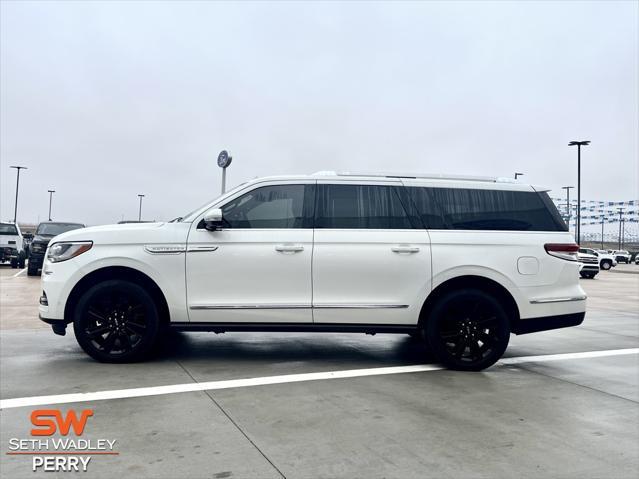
x,y
122,273
481,283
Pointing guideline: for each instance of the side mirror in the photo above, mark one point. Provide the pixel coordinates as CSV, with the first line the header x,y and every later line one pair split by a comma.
x,y
213,220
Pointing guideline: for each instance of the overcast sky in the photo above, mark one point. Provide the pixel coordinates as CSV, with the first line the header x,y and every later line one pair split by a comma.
x,y
105,100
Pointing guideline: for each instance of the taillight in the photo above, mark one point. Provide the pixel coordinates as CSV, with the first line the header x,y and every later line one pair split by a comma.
x,y
567,251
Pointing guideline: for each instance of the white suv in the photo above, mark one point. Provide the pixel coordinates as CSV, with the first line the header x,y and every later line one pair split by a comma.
x,y
458,262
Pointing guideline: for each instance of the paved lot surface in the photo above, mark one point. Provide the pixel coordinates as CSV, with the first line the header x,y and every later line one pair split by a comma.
x,y
570,417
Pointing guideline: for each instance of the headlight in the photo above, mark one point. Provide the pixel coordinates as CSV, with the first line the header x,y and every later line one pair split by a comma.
x,y
67,250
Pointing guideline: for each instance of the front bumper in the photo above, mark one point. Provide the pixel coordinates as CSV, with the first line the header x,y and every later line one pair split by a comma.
x,y
59,326
7,253
36,259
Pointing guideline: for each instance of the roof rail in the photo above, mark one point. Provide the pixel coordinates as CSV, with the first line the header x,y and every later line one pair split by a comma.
x,y
430,176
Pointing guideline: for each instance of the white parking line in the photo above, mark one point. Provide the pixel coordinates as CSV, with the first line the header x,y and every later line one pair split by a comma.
x,y
288,378
19,272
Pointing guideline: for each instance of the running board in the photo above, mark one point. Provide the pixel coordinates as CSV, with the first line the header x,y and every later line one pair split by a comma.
x,y
296,327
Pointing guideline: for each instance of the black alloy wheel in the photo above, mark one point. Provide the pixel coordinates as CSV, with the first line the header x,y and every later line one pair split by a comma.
x,y
116,321
468,330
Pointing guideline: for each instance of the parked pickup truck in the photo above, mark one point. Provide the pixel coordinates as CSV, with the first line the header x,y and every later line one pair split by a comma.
x,y
622,256
588,264
606,260
12,245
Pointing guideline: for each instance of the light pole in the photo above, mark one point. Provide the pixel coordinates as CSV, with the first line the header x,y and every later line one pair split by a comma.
x,y
567,188
50,200
518,174
15,211
602,232
140,211
620,220
579,144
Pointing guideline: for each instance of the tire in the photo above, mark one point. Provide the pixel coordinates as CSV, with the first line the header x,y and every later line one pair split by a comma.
x,y
32,271
468,330
117,321
606,265
588,275
21,261
14,263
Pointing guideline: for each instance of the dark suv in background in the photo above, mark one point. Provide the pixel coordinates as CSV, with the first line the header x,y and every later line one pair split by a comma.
x,y
44,233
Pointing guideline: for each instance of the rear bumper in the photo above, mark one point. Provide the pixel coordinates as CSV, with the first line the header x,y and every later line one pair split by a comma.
x,y
534,325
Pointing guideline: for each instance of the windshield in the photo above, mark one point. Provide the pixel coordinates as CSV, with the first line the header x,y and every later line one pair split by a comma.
x,y
191,216
54,229
8,230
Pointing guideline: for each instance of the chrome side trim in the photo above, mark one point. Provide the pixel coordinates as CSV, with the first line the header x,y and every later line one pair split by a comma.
x,y
360,306
165,248
295,306
200,249
557,300
249,306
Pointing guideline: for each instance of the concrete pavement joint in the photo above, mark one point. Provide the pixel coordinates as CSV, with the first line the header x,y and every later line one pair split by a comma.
x,y
233,422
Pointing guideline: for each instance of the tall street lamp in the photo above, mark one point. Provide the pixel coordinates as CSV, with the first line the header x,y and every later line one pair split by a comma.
x,y
50,200
15,211
578,144
620,222
567,188
140,211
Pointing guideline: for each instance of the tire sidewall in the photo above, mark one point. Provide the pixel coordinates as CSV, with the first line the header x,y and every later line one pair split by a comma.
x,y
148,341
438,348
606,265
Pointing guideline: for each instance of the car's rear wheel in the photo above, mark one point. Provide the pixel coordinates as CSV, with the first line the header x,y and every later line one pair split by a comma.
x,y
468,330
14,263
117,321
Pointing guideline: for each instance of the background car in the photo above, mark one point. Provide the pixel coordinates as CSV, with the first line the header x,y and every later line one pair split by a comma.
x,y
44,233
606,260
12,245
588,264
621,255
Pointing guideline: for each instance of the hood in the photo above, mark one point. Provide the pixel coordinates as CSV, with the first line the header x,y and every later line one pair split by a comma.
x,y
128,233
41,239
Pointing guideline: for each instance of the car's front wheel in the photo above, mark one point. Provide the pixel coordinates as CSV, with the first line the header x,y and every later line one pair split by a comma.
x,y
606,265
468,330
116,321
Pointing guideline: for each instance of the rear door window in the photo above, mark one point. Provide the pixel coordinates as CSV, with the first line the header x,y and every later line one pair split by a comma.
x,y
360,207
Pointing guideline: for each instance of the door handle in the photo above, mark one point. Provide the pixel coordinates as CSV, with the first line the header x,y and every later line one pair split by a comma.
x,y
289,248
405,249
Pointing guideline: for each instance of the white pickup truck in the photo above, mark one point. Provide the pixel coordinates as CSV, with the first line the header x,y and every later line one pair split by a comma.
x,y
606,260
12,245
621,255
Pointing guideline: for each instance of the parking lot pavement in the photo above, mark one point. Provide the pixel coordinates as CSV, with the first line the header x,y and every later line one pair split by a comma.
x,y
570,417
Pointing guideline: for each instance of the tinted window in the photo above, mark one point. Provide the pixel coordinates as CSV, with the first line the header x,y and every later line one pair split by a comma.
x,y
280,206
54,229
359,206
8,230
427,210
487,209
